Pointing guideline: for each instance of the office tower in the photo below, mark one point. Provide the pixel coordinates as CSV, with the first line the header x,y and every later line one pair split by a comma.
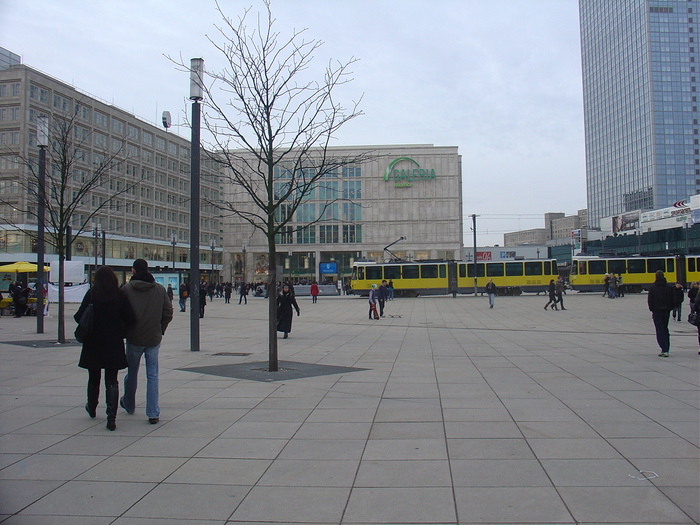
x,y
640,60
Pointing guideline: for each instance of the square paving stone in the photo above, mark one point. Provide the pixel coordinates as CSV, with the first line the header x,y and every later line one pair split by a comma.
x,y
401,505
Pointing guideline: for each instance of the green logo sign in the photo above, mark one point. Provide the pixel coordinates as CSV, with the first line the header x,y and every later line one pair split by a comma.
x,y
403,177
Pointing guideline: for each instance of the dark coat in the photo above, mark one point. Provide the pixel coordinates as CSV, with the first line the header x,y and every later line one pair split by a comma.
x,y
679,295
661,296
285,302
104,348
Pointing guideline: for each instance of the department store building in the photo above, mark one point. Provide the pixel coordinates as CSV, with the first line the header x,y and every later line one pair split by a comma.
x,y
406,193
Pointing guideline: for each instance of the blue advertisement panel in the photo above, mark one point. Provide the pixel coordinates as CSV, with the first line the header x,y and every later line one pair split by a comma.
x,y
329,267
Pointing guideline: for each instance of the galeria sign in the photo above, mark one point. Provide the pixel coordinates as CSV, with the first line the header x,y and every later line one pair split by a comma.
x,y
408,171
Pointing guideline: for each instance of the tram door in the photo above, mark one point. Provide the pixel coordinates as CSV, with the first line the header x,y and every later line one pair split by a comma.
x,y
451,275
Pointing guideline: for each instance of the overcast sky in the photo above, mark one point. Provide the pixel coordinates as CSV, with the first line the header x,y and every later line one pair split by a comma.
x,y
500,80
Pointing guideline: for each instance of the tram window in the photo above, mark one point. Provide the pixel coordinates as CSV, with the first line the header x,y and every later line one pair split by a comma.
x,y
514,269
636,266
691,264
361,273
597,267
654,265
429,271
548,268
443,271
494,269
533,268
617,267
462,270
479,270
392,272
582,270
410,271
374,272
671,265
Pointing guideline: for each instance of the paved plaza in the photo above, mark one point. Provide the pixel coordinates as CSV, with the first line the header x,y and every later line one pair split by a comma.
x,y
443,412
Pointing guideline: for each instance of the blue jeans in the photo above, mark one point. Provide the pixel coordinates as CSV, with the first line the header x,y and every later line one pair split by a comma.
x,y
133,357
492,297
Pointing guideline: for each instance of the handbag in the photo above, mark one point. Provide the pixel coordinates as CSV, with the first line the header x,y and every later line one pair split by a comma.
x,y
694,318
84,328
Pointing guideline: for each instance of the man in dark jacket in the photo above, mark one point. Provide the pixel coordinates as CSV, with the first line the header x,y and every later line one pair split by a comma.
x,y
661,301
382,296
153,311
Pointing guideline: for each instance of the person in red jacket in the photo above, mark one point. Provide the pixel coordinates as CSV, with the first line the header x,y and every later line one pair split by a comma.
x,y
314,292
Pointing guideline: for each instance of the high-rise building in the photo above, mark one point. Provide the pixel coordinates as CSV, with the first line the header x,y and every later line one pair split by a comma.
x,y
640,60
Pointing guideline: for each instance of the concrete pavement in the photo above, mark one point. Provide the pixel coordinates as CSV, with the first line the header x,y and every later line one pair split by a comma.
x,y
443,412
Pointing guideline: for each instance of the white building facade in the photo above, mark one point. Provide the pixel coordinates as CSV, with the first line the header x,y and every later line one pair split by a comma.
x,y
409,191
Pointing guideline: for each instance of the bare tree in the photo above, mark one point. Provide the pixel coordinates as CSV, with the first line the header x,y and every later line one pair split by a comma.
x,y
74,171
272,127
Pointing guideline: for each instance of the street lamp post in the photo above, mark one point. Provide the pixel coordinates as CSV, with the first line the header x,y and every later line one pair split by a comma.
x,y
42,140
476,273
243,250
196,94
212,245
173,241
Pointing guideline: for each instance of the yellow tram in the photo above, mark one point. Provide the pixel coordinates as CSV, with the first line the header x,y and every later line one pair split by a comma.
x,y
637,272
411,279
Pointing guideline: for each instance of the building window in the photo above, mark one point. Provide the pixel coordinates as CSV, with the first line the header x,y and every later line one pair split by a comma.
x,y
352,233
307,235
100,119
117,126
328,234
62,103
285,236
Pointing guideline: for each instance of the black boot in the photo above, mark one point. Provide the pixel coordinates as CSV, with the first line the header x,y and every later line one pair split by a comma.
x,y
112,397
93,396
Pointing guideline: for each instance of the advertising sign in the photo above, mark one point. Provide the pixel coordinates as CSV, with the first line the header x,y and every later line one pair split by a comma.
x,y
404,170
329,267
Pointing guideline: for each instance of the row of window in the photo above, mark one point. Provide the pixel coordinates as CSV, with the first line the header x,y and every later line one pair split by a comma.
x,y
322,234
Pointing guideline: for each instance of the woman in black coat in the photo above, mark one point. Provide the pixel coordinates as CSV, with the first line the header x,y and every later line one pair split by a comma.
x,y
285,302
104,346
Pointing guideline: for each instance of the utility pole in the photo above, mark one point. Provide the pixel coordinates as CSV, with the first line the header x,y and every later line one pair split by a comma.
x,y
476,287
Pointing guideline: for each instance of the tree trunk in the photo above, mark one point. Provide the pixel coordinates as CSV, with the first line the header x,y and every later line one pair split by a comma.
x,y
272,303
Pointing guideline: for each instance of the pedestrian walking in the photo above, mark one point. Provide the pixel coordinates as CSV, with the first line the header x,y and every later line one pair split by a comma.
x,y
453,288
228,290
285,302
678,298
170,293
182,296
314,292
661,300
559,292
373,302
552,291
153,311
491,292
244,293
695,306
203,292
103,348
390,289
382,295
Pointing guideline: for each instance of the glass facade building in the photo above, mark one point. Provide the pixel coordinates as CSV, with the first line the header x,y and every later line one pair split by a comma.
x,y
640,60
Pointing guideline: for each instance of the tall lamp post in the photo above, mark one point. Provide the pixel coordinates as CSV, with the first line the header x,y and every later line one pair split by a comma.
x,y
212,245
243,250
173,241
196,94
42,140
476,273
